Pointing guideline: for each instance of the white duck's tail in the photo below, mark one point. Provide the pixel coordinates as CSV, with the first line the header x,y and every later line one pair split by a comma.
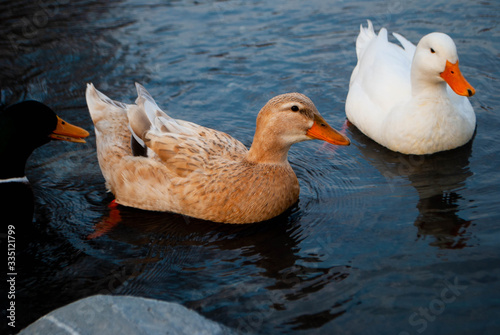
x,y
366,35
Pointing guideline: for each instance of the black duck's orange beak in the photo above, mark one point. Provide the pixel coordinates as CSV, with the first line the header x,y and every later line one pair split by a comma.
x,y
67,132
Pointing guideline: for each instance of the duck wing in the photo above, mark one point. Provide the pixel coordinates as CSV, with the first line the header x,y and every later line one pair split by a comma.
x,y
380,80
182,146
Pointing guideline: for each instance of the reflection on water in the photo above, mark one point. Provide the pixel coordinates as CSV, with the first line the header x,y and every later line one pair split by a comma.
x,y
375,234
268,254
438,217
437,178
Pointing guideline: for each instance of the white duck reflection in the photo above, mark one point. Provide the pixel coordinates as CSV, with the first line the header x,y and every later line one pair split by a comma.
x,y
438,180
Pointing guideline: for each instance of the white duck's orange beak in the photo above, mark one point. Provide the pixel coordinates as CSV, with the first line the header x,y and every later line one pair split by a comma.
x,y
321,130
456,80
67,132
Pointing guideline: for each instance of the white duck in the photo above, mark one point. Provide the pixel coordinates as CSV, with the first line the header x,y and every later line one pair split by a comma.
x,y
400,97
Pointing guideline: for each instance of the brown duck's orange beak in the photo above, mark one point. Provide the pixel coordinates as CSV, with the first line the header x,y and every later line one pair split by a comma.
x,y
67,132
456,80
321,130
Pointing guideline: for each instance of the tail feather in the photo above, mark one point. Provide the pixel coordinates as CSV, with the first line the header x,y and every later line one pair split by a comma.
x,y
100,105
110,123
142,118
364,38
409,47
94,98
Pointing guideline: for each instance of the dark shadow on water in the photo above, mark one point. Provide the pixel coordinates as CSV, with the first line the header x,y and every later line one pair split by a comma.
x,y
267,252
52,273
438,180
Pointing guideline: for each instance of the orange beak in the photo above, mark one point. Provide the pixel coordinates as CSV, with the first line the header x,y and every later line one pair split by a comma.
x,y
456,80
67,132
321,130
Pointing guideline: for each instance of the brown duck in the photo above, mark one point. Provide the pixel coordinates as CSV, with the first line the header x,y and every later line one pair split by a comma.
x,y
154,162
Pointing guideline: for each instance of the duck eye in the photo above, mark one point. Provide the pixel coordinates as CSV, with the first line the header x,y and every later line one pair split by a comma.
x,y
433,51
295,108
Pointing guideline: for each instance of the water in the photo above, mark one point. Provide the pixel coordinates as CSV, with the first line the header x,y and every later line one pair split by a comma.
x,y
378,243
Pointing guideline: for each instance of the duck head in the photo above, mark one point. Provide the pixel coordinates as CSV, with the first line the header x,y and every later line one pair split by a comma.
x,y
35,124
26,126
287,119
436,60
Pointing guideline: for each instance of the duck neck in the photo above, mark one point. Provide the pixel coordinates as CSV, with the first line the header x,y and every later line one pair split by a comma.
x,y
267,150
428,89
15,166
14,150
13,154
426,85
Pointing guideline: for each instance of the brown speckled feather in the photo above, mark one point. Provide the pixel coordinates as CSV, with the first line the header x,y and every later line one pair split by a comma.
x,y
194,170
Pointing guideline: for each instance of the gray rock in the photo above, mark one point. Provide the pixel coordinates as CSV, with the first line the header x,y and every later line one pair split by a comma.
x,y
123,315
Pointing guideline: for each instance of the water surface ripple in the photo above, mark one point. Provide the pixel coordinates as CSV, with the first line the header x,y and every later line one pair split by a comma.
x,y
376,237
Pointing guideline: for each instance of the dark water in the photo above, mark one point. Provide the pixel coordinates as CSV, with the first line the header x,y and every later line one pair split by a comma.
x,y
378,243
